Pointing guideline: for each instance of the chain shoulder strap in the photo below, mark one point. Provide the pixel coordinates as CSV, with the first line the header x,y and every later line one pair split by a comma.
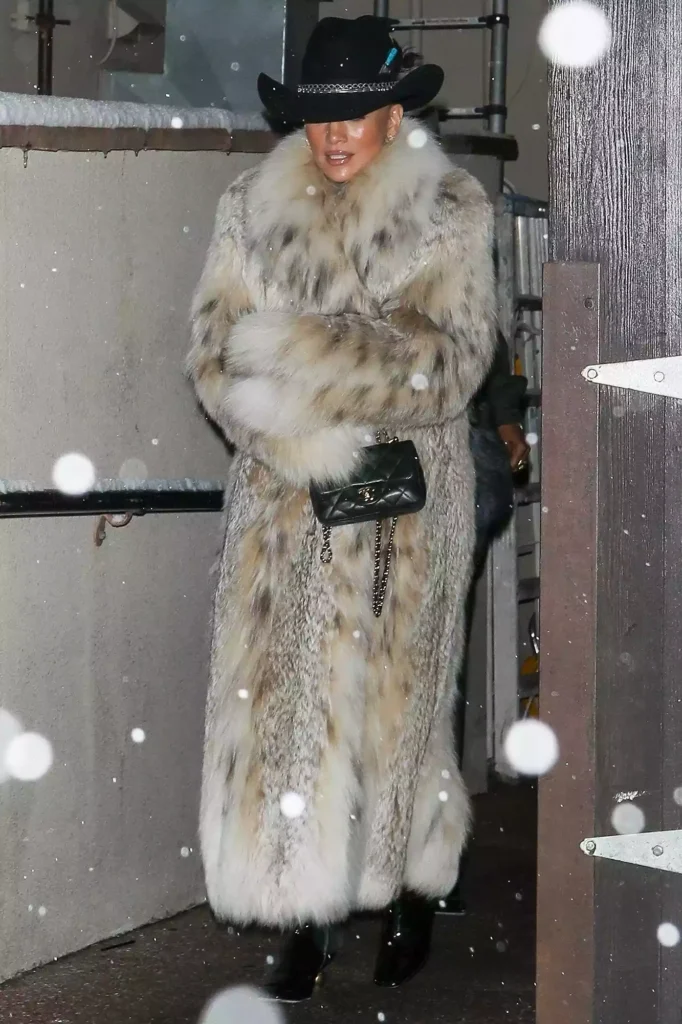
x,y
380,579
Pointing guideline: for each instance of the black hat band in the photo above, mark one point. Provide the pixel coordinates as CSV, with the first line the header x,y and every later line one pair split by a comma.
x,y
345,87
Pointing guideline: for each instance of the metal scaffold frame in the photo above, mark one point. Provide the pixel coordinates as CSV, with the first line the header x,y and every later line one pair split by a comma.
x,y
494,111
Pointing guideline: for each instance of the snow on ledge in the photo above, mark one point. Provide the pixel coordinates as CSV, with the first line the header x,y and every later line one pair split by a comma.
x,y
120,484
61,112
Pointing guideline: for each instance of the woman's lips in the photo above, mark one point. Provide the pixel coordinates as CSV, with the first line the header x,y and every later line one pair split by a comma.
x,y
337,158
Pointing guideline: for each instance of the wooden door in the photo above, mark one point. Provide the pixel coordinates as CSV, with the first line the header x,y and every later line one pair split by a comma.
x,y
612,525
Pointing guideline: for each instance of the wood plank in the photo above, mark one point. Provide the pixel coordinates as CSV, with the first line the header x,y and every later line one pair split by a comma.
x,y
565,949
625,210
670,981
608,155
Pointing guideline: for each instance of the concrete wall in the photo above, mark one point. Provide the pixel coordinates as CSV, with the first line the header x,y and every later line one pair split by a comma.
x,y
77,49
464,57
98,258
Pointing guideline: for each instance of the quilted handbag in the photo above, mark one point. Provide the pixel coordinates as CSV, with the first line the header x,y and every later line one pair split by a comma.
x,y
390,483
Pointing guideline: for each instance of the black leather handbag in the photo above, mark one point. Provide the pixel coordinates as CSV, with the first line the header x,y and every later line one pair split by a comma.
x,y
390,483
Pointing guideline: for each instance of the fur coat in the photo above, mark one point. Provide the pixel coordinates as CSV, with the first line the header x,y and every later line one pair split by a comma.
x,y
325,312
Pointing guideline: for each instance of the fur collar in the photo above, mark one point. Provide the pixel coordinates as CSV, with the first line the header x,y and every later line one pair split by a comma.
x,y
339,247
403,177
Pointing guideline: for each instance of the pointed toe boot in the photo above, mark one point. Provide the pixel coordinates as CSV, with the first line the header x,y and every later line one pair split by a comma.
x,y
304,957
405,940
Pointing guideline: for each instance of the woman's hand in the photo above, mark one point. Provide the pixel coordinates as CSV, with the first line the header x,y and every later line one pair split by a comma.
x,y
517,446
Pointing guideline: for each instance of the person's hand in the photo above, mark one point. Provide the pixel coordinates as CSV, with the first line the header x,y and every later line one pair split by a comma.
x,y
517,446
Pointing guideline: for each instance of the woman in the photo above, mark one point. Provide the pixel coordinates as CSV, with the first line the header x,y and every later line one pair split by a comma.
x,y
348,288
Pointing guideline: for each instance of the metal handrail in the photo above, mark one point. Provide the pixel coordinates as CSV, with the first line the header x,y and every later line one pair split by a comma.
x,y
109,497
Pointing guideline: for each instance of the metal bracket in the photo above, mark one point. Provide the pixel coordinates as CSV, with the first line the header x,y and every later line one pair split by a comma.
x,y
659,850
653,376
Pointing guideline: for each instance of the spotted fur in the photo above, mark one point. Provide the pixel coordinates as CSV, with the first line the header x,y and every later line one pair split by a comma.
x,y
325,312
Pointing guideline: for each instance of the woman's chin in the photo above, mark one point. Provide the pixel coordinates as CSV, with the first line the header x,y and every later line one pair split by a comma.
x,y
340,172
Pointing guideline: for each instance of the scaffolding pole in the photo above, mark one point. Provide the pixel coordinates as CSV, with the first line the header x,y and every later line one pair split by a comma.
x,y
497,97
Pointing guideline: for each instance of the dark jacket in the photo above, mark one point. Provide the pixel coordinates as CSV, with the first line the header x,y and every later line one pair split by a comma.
x,y
500,400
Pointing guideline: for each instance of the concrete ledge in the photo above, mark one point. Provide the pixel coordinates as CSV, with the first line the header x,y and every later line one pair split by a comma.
x,y
107,140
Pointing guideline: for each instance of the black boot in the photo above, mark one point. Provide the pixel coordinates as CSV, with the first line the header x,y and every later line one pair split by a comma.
x,y
405,940
306,953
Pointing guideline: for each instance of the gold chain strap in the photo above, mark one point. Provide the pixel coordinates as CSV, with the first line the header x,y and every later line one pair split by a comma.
x,y
326,552
380,581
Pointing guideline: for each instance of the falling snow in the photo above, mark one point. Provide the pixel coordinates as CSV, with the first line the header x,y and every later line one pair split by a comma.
x,y
242,1005
28,757
668,934
184,851
531,747
73,473
138,736
419,382
133,469
627,819
243,694
417,138
442,796
576,34
292,805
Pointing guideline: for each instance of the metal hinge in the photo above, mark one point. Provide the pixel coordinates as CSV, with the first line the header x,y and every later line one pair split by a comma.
x,y
659,850
653,376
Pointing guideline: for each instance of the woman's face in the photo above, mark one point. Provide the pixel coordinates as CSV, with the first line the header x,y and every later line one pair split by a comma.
x,y
341,149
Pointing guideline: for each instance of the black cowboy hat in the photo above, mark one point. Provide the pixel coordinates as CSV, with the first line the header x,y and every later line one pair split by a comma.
x,y
350,68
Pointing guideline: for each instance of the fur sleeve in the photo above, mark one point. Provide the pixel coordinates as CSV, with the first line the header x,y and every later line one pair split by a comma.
x,y
220,300
418,364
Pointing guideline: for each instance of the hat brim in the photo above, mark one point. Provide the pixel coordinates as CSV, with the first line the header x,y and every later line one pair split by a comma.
x,y
415,90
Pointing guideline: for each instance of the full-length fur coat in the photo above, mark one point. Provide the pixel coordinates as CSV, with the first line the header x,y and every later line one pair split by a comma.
x,y
325,312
